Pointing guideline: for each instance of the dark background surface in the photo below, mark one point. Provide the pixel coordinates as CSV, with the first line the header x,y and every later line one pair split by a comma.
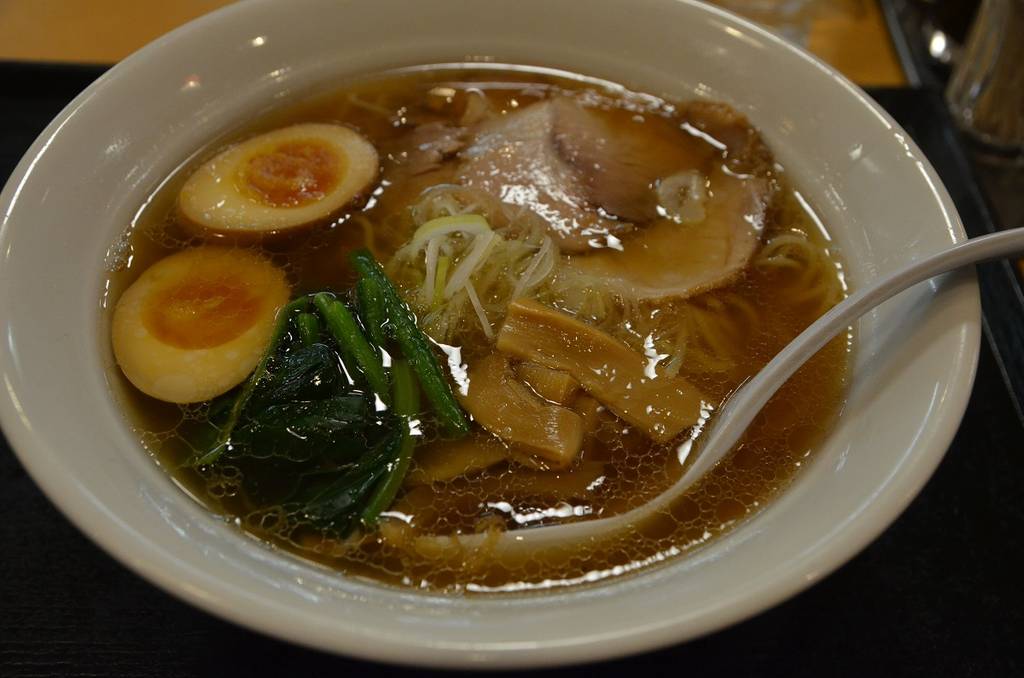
x,y
939,593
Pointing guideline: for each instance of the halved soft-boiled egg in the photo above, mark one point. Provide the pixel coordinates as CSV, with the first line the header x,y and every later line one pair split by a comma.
x,y
195,324
288,178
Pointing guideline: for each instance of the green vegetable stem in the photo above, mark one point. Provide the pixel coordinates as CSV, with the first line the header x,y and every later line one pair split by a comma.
x,y
368,292
347,333
406,405
309,328
414,343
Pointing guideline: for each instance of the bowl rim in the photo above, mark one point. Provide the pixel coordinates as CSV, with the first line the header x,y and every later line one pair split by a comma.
x,y
86,512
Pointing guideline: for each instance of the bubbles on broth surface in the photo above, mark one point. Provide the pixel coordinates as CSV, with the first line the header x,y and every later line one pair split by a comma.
x,y
716,340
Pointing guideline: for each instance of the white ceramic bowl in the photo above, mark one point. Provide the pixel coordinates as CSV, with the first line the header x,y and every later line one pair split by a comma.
x,y
88,173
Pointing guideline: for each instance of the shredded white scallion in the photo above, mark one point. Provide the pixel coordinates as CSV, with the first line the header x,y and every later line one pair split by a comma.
x,y
547,264
523,284
485,324
430,263
476,255
470,250
467,224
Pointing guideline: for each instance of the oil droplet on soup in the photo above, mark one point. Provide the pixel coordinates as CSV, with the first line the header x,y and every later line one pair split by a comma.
x,y
433,129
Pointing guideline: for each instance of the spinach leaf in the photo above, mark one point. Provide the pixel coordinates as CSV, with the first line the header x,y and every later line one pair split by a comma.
x,y
305,373
300,431
340,501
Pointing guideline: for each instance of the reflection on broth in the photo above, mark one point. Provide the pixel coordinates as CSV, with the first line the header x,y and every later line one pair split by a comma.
x,y
439,327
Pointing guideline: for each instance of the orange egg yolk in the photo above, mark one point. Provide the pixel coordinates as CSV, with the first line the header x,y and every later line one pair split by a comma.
x,y
201,313
293,174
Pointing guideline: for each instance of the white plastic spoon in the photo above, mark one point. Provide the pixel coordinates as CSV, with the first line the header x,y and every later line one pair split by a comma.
x,y
739,411
729,423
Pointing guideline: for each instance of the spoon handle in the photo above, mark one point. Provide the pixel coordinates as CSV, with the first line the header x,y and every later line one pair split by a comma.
x,y
743,406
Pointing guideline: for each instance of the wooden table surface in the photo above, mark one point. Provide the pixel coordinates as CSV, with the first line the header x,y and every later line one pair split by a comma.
x,y
849,34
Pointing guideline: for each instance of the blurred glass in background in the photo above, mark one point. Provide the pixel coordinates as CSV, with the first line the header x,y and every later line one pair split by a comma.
x,y
986,90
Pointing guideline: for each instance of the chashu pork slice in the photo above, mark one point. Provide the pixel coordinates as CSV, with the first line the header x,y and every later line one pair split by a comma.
x,y
670,260
515,158
593,177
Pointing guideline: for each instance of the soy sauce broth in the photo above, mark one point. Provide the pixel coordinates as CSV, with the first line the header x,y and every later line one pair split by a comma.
x,y
620,468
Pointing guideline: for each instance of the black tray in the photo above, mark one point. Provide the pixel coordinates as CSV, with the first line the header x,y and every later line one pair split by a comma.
x,y
939,593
